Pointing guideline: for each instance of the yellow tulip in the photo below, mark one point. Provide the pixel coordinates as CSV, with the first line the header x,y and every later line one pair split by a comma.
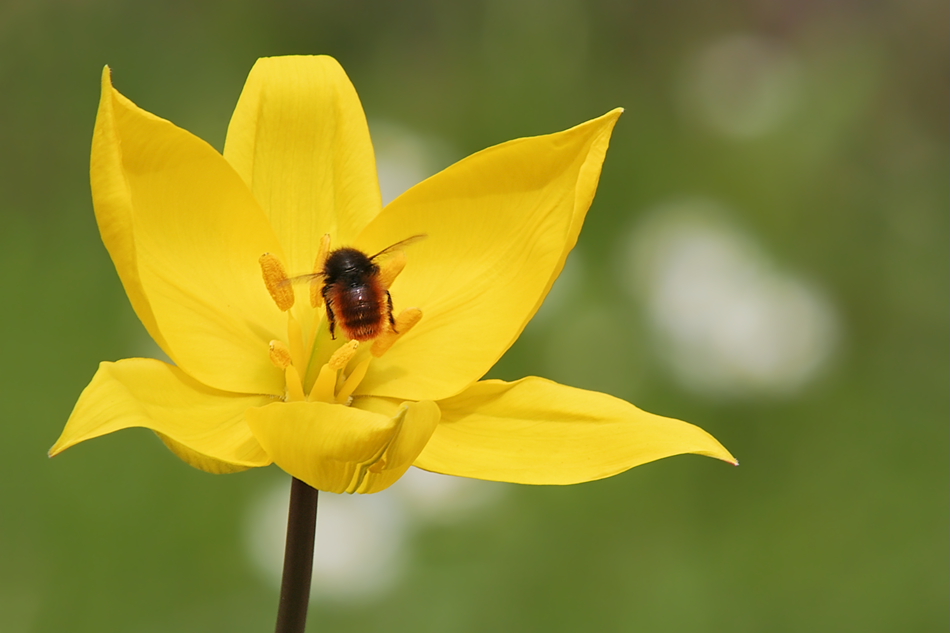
x,y
204,243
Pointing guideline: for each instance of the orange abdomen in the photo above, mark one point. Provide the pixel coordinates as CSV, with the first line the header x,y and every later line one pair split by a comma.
x,y
362,310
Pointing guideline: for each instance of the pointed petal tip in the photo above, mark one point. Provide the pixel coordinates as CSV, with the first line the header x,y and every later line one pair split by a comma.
x,y
106,78
59,447
720,452
609,118
56,449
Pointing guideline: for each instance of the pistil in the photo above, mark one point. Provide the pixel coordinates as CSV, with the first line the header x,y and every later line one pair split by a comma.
x,y
324,386
345,394
324,389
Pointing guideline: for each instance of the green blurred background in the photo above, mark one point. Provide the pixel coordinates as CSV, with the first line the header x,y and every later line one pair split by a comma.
x,y
767,257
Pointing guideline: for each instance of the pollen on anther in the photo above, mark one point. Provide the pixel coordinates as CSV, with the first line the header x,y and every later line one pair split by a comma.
x,y
391,268
276,281
342,356
280,355
406,320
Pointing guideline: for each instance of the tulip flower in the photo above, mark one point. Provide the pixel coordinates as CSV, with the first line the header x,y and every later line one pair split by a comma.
x,y
208,247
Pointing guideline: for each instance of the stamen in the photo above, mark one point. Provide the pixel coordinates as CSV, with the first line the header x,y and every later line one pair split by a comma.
x,y
391,267
353,381
294,385
406,320
280,355
323,387
316,285
295,339
276,281
343,355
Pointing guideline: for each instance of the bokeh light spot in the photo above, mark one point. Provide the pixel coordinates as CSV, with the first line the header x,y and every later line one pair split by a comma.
x,y
742,86
727,320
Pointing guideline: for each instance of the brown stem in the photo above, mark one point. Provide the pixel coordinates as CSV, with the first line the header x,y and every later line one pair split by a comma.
x,y
298,559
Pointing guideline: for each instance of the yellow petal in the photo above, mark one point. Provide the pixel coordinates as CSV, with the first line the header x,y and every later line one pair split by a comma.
x,y
299,139
587,179
416,421
112,201
499,226
203,426
329,446
535,431
185,235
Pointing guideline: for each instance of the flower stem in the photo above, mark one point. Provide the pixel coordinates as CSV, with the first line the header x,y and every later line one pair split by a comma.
x,y
298,559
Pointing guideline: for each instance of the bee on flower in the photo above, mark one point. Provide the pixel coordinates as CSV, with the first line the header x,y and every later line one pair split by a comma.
x,y
381,367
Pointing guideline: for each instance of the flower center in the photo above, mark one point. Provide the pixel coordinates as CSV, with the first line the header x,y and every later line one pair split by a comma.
x,y
351,298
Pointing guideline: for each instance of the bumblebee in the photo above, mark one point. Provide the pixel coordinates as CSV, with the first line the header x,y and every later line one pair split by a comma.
x,y
354,294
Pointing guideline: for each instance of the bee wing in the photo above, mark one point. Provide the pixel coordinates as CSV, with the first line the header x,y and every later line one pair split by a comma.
x,y
400,244
301,278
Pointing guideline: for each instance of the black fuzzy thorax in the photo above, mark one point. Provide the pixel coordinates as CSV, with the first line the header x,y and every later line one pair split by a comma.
x,y
349,267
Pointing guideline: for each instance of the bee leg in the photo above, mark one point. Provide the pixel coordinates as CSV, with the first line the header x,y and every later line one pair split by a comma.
x,y
392,320
331,318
